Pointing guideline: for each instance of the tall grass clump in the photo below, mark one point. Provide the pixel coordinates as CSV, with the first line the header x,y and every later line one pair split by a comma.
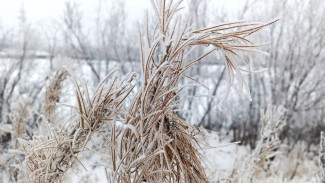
x,y
253,168
52,95
20,114
149,141
47,159
157,145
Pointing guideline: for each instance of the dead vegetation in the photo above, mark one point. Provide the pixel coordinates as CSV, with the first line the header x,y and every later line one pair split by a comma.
x,y
256,166
149,141
48,159
52,95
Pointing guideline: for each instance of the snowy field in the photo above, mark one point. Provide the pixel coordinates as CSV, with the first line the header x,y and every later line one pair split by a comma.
x,y
220,156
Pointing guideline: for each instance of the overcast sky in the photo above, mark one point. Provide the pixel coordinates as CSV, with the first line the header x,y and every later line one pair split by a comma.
x,y
38,10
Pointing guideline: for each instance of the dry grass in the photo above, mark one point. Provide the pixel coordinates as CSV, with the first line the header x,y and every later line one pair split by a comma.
x,y
19,116
157,145
48,159
149,142
52,95
256,166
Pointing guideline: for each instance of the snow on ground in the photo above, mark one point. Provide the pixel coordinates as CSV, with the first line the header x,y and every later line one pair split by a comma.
x,y
220,156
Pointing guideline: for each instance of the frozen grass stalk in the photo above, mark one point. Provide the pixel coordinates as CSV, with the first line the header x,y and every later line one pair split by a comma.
x,y
52,95
156,145
259,161
47,159
152,143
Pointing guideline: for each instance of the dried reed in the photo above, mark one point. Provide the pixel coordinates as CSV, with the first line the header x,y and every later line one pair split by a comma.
x,y
156,145
47,159
19,116
52,95
266,149
151,143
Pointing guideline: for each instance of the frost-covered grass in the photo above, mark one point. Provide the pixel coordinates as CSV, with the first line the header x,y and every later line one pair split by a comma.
x,y
130,129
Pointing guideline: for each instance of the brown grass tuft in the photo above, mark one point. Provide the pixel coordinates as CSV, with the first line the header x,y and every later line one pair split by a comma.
x,y
259,161
156,145
150,142
52,95
48,159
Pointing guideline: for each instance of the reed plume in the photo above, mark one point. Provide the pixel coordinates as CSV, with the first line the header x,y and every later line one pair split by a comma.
x,y
157,145
47,159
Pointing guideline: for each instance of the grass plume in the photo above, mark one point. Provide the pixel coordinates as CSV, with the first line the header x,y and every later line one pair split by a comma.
x,y
156,145
52,95
48,159
150,142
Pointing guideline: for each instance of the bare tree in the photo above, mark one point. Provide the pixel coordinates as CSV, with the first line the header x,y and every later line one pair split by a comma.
x,y
296,63
51,33
295,66
12,76
76,37
111,33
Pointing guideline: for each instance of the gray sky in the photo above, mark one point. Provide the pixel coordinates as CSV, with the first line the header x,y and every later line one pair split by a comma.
x,y
37,10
